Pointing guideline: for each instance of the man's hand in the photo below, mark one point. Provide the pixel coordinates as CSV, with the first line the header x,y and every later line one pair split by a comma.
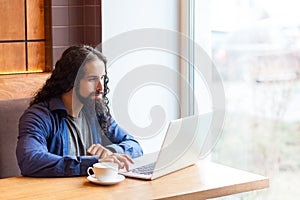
x,y
98,150
122,160
106,155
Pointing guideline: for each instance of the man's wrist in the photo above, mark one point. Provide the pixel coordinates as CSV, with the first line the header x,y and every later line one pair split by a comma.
x,y
113,150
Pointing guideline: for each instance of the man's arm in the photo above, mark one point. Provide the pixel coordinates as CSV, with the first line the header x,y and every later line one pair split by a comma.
x,y
122,142
33,156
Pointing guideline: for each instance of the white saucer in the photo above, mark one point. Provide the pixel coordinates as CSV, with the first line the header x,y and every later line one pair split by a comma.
x,y
118,179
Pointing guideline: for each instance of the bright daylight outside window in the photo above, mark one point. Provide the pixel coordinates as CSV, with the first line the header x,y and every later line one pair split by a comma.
x,y
255,46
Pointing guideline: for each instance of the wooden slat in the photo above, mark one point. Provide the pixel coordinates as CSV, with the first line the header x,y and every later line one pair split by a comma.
x,y
12,20
21,85
36,56
12,57
35,19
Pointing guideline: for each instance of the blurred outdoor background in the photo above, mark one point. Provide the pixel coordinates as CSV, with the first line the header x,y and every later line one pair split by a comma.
x,y
256,48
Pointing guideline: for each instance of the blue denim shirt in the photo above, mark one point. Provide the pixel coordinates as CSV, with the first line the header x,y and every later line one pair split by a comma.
x,y
42,148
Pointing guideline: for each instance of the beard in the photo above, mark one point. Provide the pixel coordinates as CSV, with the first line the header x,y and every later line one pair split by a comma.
x,y
95,105
88,101
85,100
98,108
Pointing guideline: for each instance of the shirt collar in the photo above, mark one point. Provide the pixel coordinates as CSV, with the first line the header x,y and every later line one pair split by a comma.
x,y
56,103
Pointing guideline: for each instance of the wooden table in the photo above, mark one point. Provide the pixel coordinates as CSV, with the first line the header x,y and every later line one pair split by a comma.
x,y
201,181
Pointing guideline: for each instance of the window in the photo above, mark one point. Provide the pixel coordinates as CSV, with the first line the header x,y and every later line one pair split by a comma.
x,y
255,49
141,99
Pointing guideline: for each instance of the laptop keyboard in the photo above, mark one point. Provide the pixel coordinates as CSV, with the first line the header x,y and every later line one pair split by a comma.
x,y
146,169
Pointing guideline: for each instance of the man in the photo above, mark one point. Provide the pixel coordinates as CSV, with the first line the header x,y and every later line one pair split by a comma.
x,y
68,126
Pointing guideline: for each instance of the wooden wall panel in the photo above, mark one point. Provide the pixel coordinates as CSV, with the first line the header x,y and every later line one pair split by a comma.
x,y
35,19
21,85
12,57
12,20
36,56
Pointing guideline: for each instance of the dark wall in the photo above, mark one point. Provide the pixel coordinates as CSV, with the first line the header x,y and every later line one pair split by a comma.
x,y
70,22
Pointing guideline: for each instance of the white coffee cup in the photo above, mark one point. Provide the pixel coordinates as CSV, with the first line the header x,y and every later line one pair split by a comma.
x,y
104,171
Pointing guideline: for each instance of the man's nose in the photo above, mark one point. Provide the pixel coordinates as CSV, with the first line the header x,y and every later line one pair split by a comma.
x,y
99,86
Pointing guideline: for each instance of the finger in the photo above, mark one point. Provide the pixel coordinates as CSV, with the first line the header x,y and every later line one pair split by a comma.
x,y
113,158
101,153
106,159
93,149
89,150
129,158
125,165
123,158
96,149
117,161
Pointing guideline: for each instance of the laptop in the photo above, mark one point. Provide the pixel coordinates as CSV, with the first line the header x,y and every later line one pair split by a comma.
x,y
181,147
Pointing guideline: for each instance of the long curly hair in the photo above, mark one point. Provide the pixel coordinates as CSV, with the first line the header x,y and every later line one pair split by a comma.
x,y
68,71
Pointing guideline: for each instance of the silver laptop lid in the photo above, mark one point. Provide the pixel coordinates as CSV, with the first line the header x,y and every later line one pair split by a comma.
x,y
182,146
183,143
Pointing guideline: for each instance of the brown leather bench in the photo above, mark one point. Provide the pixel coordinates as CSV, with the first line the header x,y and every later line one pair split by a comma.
x,y
10,112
